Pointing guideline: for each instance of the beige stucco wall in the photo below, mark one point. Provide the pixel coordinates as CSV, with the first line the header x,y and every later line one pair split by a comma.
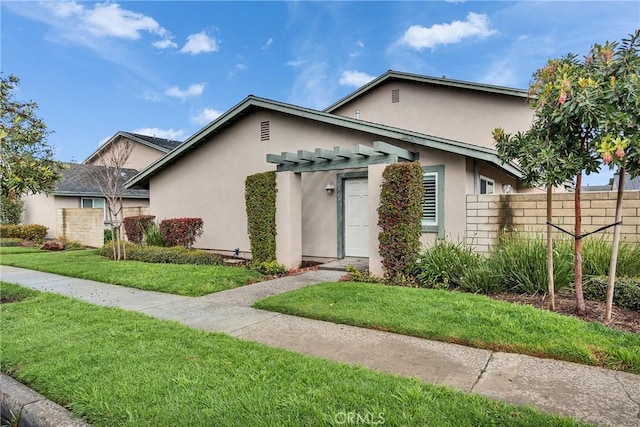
x,y
141,156
459,114
42,209
208,182
527,213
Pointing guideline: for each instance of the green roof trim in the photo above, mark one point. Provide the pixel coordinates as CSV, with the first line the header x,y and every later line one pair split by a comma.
x,y
440,81
251,103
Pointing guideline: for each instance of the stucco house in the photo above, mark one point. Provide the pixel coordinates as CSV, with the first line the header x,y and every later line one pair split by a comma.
x,y
78,189
444,124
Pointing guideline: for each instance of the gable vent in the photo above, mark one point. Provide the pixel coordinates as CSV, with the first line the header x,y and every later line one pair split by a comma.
x,y
264,131
395,95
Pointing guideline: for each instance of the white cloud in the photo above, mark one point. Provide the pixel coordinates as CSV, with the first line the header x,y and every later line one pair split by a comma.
x,y
178,135
193,90
65,9
312,87
236,69
294,63
268,44
419,37
150,95
109,20
354,78
164,44
206,116
200,43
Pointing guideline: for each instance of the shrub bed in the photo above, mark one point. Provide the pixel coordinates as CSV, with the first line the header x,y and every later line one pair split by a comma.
x,y
181,231
626,293
135,226
10,241
158,254
31,232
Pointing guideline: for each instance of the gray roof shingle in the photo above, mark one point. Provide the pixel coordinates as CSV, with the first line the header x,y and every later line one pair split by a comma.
x,y
79,180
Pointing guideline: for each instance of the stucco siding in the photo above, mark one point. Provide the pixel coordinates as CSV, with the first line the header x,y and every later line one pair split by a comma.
x,y
209,181
462,115
141,156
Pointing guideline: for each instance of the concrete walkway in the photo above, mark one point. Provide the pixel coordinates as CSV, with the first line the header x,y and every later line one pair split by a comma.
x,y
587,393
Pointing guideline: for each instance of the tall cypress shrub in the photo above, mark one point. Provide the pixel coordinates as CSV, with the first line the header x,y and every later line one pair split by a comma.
x,y
400,220
260,199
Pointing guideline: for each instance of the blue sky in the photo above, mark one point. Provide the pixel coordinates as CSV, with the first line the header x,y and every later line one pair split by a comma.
x,y
166,68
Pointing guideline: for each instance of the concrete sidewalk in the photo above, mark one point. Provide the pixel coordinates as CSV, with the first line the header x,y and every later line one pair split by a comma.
x,y
587,393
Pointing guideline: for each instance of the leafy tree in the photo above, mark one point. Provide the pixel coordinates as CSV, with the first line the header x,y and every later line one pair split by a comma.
x,y
26,160
616,71
10,210
585,113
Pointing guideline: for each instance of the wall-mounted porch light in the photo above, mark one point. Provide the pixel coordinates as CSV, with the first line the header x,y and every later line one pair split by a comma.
x,y
330,188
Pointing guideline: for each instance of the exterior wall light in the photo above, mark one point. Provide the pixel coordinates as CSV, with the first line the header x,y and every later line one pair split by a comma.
x,y
507,189
330,188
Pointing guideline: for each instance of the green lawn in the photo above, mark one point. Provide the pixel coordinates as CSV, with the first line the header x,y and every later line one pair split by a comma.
x,y
463,318
113,367
190,280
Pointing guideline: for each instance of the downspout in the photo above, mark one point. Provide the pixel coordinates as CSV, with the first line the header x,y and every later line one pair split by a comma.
x,y
476,177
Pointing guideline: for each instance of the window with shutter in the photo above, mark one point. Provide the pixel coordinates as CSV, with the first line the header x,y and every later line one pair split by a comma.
x,y
430,200
433,200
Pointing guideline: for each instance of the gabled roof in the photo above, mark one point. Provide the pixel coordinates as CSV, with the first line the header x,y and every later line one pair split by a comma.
x,y
396,75
160,144
78,180
252,103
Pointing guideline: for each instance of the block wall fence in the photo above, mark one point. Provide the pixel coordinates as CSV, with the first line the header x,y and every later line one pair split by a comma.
x,y
487,215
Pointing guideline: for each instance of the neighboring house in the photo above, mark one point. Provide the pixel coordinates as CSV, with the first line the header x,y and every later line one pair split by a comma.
x,y
78,187
629,184
444,124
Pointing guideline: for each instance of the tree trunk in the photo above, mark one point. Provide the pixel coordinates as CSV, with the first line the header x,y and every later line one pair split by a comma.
x,y
552,301
122,237
614,248
578,247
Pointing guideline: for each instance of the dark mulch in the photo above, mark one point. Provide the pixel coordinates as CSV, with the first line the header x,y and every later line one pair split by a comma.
x,y
621,318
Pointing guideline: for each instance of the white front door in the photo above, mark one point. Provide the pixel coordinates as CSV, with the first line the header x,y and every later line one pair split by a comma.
x,y
356,222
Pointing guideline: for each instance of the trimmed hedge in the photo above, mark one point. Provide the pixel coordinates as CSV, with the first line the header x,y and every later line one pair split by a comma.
x,y
162,255
626,292
31,232
181,231
134,226
10,241
260,199
400,220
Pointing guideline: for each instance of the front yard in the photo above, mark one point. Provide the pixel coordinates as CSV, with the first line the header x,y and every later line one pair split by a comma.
x,y
463,318
189,280
113,367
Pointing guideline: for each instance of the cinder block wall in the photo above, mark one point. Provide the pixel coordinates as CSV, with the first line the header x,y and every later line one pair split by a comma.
x,y
83,225
134,211
487,215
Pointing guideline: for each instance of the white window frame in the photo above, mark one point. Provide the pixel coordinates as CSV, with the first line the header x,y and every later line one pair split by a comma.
x,y
486,186
93,200
434,222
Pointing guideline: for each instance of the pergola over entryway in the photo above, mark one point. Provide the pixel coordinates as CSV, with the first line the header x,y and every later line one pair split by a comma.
x,y
360,156
291,166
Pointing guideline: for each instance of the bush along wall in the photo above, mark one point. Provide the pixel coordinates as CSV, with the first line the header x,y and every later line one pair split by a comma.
x,y
31,232
400,217
135,226
260,202
181,231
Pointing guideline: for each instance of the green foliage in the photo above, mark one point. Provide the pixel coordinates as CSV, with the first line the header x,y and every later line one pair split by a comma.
x,y
108,236
152,235
10,241
181,231
10,210
10,292
522,263
26,160
362,276
270,268
445,264
260,199
171,255
31,232
135,226
596,257
626,292
399,218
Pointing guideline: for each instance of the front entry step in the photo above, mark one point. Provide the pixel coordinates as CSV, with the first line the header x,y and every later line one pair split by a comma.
x,y
360,264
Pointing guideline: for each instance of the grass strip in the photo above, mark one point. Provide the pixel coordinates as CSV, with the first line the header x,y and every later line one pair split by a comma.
x,y
189,280
463,318
113,367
